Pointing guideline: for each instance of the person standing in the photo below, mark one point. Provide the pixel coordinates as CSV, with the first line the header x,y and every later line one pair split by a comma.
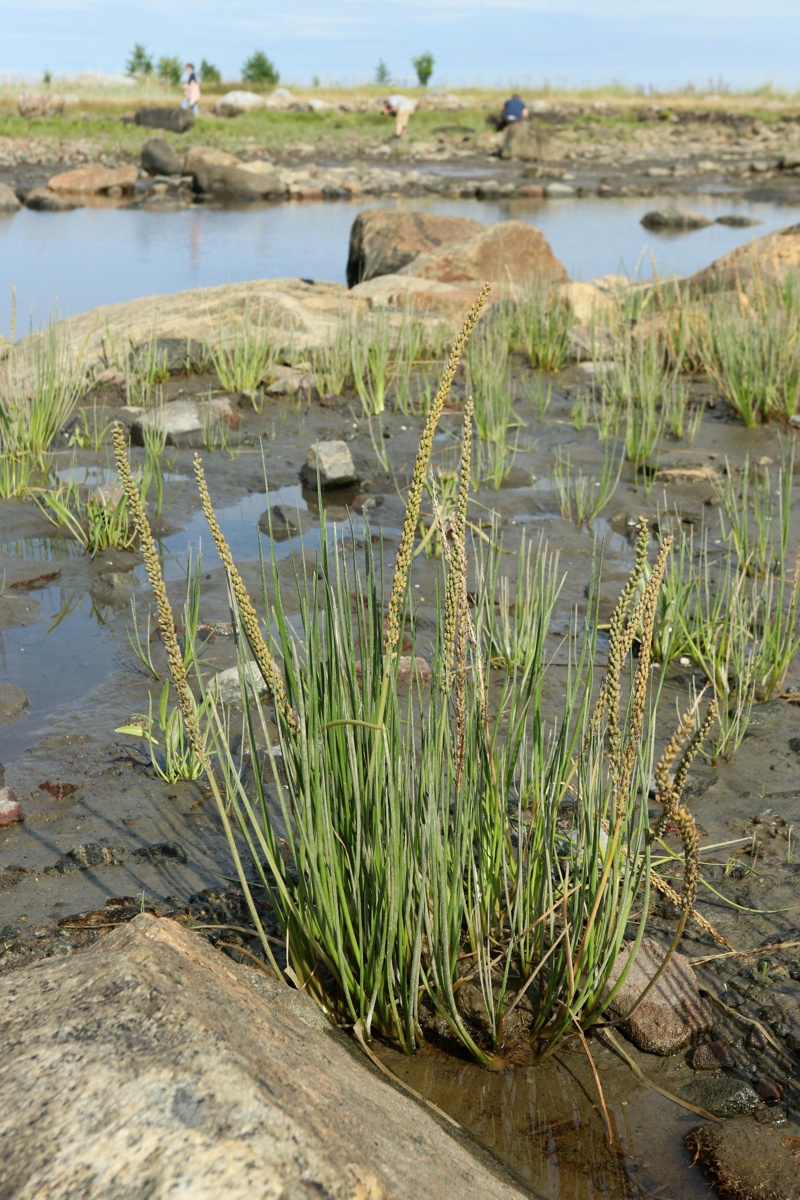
x,y
401,108
191,91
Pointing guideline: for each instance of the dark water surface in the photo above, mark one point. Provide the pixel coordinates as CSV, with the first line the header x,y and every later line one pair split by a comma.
x,y
76,260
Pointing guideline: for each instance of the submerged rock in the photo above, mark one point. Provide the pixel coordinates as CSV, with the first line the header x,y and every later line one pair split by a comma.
x,y
672,1014
672,217
746,1161
12,701
722,1095
151,1065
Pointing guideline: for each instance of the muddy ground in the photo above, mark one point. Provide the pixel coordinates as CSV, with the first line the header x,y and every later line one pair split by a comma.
x,y
103,838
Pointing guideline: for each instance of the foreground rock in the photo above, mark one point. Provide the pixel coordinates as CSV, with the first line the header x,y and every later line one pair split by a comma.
x,y
746,1161
768,259
158,158
149,1066
673,1013
384,241
510,254
95,180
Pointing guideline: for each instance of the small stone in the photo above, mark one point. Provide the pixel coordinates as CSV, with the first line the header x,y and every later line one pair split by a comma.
x,y
713,1056
768,1089
673,1013
721,1095
12,701
227,687
81,858
414,667
10,808
756,1039
160,850
331,463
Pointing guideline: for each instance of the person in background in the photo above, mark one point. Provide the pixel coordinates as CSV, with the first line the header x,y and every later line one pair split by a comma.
x,y
191,91
514,110
401,108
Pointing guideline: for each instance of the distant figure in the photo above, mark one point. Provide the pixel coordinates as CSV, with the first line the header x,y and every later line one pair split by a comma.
x,y
514,110
191,91
401,108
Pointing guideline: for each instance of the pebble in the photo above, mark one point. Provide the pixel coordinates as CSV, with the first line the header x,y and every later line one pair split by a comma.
x,y
712,1056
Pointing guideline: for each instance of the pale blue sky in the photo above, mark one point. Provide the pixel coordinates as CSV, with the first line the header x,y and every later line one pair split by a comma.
x,y
661,42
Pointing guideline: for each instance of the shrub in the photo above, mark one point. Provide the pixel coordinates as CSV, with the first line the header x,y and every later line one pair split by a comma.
x,y
169,69
209,73
140,62
259,70
423,65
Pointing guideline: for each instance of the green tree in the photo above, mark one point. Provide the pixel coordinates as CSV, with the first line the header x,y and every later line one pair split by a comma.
x,y
140,62
169,69
382,75
209,73
259,70
423,65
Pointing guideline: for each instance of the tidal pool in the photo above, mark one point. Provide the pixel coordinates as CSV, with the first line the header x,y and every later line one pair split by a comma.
x,y
73,261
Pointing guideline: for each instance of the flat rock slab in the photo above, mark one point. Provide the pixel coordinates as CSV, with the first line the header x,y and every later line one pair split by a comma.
x,y
746,1161
149,1066
673,1013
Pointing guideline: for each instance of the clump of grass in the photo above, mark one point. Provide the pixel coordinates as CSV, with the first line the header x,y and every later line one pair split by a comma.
x,y
245,356
99,521
542,325
409,842
583,497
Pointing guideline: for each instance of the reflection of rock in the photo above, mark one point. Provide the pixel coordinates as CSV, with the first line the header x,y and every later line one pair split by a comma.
x,y
41,199
233,103
331,463
112,589
177,120
9,200
13,701
150,1064
281,522
744,1160
673,1013
671,217
736,221
94,179
158,158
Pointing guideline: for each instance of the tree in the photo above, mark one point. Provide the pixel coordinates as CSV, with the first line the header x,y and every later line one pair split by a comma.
x,y
424,68
140,62
259,70
209,73
382,75
169,69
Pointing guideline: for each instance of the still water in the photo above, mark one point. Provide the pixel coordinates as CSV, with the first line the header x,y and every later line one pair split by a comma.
x,y
69,262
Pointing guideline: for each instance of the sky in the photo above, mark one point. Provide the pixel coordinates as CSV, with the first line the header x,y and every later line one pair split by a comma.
x,y
659,43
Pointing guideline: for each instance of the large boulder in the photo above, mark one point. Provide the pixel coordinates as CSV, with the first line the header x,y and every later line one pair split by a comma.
x,y
158,158
218,173
769,258
529,142
510,254
383,241
9,200
36,104
234,103
151,1065
94,179
177,120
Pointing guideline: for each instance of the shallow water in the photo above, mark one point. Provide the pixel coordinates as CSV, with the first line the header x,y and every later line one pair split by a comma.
x,y
74,261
